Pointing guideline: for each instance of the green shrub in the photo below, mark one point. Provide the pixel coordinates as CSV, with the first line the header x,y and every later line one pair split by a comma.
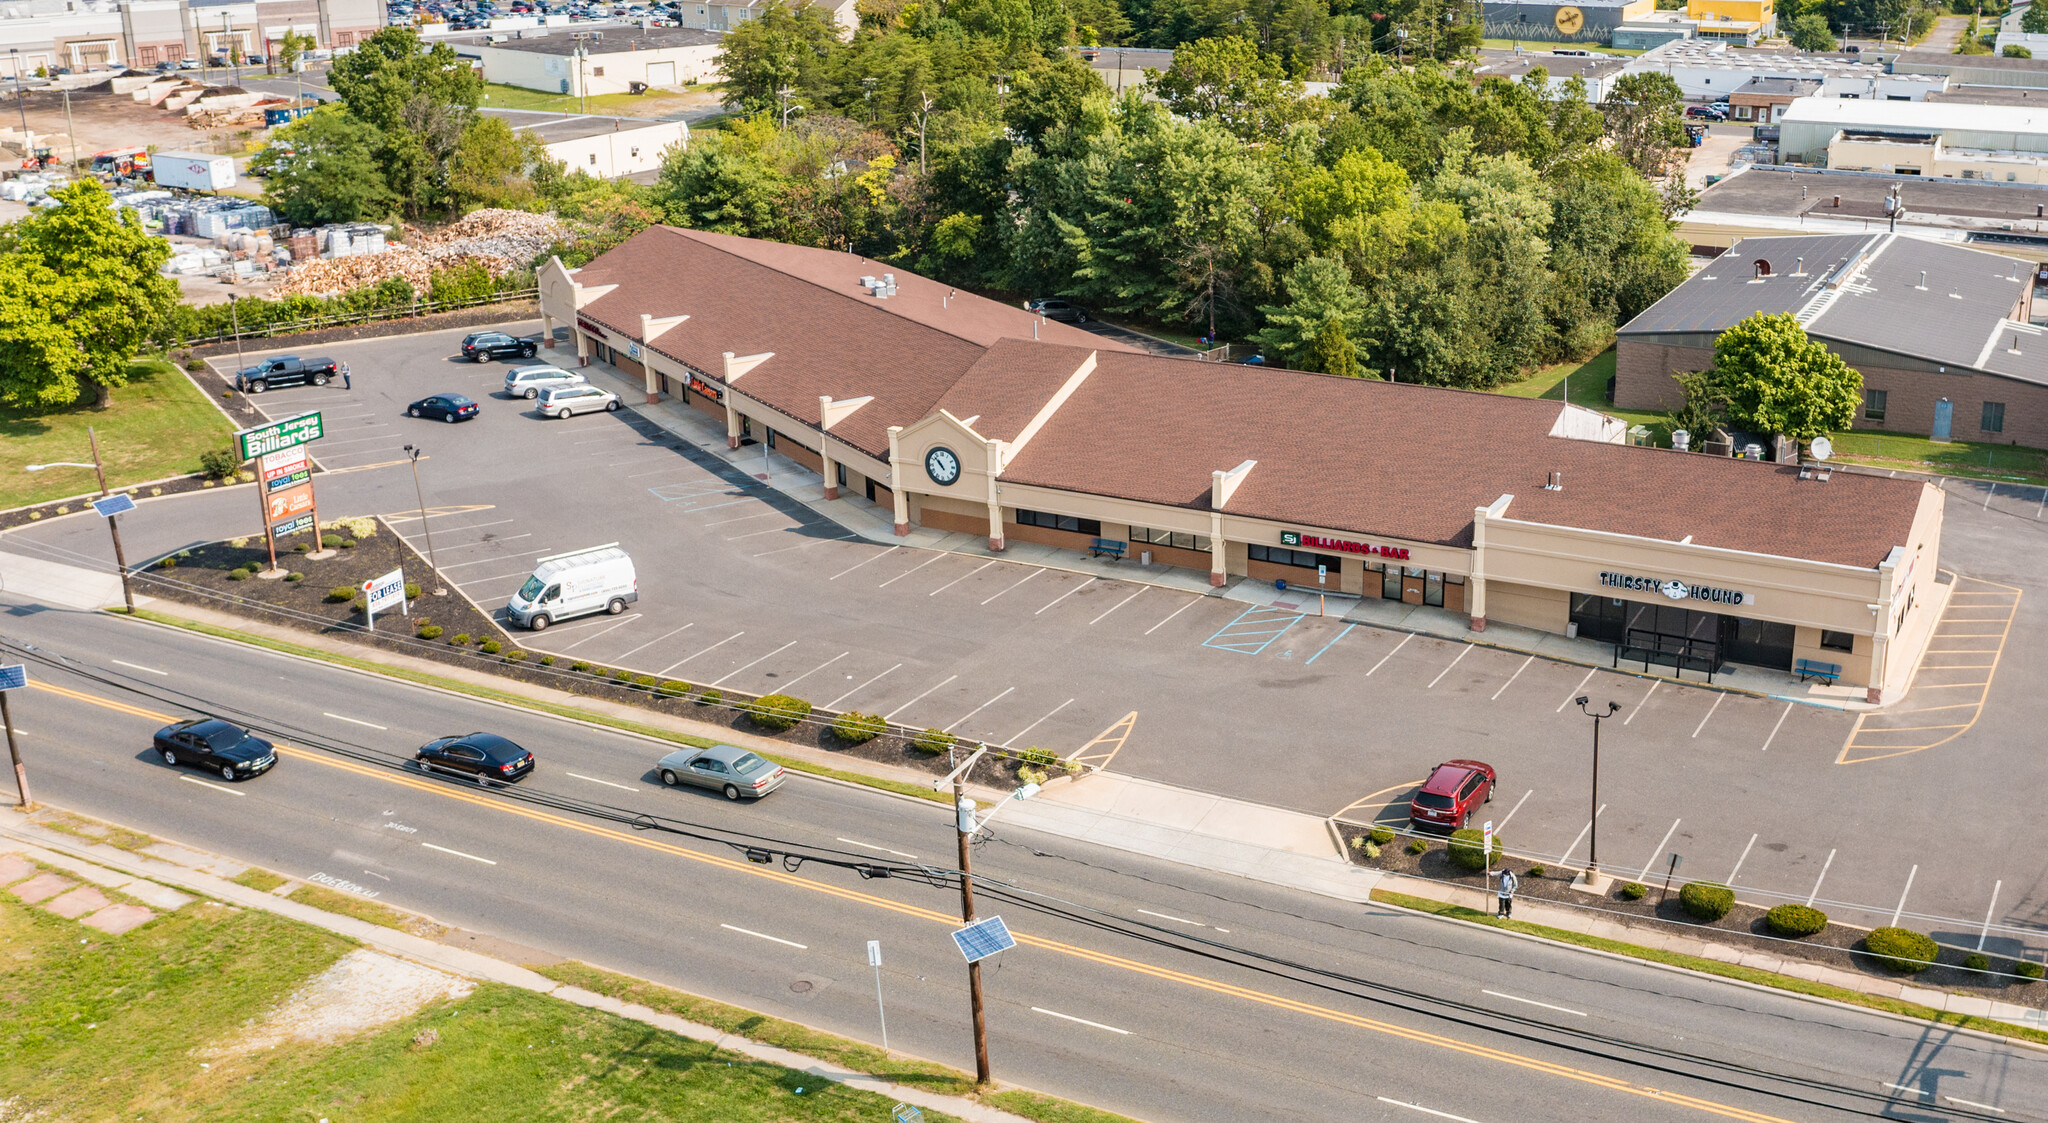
x,y
856,728
219,463
240,574
934,741
301,548
2028,970
1902,949
459,639
1795,921
295,577
1976,961
599,672
1468,849
1371,850
357,603
1417,846
778,711
622,676
1382,835
1039,758
711,698
412,591
671,688
491,647
348,543
1706,900
517,656
579,666
195,365
330,541
1536,872
547,660
644,682
1634,891
431,631
168,563
341,593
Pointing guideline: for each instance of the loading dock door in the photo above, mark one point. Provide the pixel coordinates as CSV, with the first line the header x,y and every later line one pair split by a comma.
x,y
661,73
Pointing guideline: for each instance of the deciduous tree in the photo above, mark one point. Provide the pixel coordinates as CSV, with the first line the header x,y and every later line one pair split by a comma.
x,y
324,167
1644,120
1775,379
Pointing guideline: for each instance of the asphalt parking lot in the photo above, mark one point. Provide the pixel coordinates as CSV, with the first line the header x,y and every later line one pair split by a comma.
x,y
1910,810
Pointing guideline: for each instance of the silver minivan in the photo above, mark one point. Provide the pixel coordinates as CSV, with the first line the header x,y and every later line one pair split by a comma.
x,y
531,381
566,401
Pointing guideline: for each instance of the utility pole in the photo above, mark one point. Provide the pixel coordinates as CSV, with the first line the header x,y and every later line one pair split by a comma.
x,y
965,827
70,128
20,95
28,803
425,527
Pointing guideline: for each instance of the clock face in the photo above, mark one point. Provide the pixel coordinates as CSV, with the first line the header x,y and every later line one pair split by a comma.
x,y
1570,20
942,464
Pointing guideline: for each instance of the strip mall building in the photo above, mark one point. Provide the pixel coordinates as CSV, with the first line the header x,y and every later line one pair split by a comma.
x,y
964,414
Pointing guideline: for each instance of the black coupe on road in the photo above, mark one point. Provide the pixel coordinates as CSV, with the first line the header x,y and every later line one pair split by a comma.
x,y
213,744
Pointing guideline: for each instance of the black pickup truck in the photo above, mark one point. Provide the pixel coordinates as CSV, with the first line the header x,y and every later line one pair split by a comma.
x,y
285,370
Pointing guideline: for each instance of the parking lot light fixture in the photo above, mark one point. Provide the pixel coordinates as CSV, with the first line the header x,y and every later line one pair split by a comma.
x,y
1591,879
113,525
425,527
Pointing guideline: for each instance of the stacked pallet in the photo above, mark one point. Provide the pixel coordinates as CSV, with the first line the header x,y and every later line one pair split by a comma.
x,y
512,237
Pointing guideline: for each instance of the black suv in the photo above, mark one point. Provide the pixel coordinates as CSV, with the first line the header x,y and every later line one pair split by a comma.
x,y
481,756
483,346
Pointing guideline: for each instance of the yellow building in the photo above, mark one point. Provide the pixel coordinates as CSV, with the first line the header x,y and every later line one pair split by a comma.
x,y
1733,18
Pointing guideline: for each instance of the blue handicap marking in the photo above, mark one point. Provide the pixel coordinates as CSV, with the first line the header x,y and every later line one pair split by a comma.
x,y
1254,630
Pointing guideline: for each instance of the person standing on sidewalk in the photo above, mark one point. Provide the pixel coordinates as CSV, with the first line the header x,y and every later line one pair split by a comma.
x,y
344,378
1506,892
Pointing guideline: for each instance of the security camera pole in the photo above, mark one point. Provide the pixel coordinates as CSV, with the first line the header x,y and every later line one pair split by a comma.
x,y
1592,878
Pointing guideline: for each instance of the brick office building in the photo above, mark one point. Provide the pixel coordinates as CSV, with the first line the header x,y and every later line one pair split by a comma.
x,y
1939,332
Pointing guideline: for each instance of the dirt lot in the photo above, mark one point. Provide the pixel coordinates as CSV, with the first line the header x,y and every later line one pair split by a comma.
x,y
103,119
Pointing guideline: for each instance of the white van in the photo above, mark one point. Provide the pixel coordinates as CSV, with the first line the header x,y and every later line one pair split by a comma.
x,y
599,579
529,382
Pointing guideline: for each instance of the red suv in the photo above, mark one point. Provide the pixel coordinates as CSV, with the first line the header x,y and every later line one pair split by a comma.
x,y
1451,794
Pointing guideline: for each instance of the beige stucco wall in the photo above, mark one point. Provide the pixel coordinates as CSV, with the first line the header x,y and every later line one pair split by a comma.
x,y
1527,606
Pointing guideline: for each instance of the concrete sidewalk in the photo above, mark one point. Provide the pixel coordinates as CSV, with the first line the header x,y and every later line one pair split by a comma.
x,y
209,876
1553,915
66,586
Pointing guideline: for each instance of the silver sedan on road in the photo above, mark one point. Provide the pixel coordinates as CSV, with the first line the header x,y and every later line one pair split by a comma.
x,y
737,772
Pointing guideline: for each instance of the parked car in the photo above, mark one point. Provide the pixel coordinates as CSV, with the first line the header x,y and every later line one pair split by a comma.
x,y
737,772
597,579
482,757
567,401
1058,310
483,346
1453,791
528,382
285,370
1706,113
444,407
215,745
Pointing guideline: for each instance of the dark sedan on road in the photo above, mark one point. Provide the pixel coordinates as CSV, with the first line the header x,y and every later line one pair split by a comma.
x,y
483,757
216,746
443,407
738,773
1451,794
1058,310
483,346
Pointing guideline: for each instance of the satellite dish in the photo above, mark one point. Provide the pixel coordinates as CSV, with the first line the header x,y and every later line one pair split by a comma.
x,y
1822,448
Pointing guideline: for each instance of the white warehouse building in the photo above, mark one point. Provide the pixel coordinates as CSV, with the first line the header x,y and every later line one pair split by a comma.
x,y
609,60
1958,140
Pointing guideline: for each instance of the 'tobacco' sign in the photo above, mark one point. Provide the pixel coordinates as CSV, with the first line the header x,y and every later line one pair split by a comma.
x,y
264,439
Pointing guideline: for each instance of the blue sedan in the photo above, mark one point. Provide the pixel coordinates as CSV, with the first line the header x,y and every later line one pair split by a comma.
x,y
446,407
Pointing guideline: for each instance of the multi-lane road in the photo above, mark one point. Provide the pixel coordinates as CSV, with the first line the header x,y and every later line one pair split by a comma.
x,y
1160,991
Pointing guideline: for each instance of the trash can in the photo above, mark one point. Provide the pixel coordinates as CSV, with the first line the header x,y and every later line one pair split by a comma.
x,y
1280,585
1571,630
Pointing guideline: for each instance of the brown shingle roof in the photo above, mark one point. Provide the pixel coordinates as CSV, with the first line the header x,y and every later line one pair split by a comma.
x,y
1012,382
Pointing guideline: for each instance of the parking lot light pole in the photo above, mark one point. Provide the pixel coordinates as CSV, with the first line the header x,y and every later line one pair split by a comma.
x,y
113,521
425,527
1592,874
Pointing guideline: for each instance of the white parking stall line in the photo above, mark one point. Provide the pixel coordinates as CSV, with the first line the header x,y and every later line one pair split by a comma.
x,y
595,780
655,640
459,854
1915,872
1447,670
1114,607
1068,593
1425,1110
500,558
1511,812
914,701
883,849
1638,708
962,577
1659,851
1175,919
1006,589
485,542
139,667
771,530
913,569
1990,910
1082,1021
1035,724
765,936
1533,1002
1710,713
605,632
555,630
808,545
332,444
1176,612
1390,654
1575,691
985,705
215,787
1511,679
1738,862
834,703
355,721
1815,895
1775,728
1973,1103
770,655
450,530
713,647
498,577
1581,836
815,670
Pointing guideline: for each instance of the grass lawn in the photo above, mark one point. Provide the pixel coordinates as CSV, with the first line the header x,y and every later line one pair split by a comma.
x,y
654,104
1588,381
1958,458
132,1026
157,426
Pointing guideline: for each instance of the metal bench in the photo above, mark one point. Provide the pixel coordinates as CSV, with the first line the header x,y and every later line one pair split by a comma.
x,y
1813,668
1107,547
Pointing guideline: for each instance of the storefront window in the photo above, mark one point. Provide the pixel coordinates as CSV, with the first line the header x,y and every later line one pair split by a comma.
x,y
1091,527
1433,590
1279,555
1175,539
1838,641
